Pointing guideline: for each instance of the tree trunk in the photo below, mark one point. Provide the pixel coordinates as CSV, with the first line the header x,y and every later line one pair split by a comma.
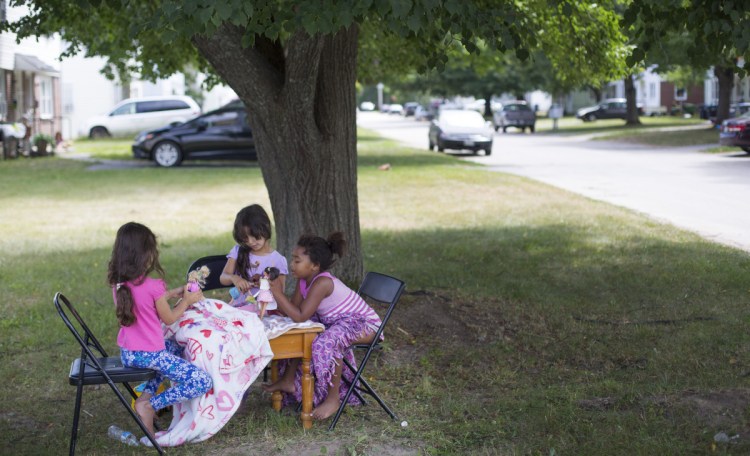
x,y
725,76
301,105
488,105
631,117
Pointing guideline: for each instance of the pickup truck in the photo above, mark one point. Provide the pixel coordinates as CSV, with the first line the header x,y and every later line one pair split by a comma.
x,y
516,114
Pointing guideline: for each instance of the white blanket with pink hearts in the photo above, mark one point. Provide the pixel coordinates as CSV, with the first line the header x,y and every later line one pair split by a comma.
x,y
231,345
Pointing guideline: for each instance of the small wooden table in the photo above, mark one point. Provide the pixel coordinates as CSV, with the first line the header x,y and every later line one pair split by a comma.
x,y
295,343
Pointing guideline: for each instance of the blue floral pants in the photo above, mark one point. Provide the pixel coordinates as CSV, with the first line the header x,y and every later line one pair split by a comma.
x,y
188,381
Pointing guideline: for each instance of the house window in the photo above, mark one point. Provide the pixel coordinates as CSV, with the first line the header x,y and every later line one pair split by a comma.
x,y
46,110
652,90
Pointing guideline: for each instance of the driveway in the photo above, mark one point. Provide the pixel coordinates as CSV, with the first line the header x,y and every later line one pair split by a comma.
x,y
704,193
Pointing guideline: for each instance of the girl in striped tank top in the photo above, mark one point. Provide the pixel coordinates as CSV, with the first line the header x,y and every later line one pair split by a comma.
x,y
347,318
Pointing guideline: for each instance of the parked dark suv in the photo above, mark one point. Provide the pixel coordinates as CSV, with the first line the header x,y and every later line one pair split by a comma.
x,y
612,108
220,134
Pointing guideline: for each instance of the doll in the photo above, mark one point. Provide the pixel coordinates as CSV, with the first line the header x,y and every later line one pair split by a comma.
x,y
264,295
197,278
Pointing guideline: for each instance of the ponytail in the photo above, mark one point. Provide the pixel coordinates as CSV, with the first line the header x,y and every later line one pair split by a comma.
x,y
124,305
321,251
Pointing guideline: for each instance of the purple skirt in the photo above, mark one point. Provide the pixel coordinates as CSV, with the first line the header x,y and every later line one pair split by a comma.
x,y
328,349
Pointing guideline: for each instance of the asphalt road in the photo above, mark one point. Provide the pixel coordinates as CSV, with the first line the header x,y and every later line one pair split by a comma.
x,y
705,193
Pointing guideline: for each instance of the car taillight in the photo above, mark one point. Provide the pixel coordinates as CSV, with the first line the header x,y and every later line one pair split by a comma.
x,y
735,128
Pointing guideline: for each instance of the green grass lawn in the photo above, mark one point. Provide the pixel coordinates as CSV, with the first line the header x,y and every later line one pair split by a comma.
x,y
535,321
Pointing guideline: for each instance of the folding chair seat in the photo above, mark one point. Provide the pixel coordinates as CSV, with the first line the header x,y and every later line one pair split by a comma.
x,y
95,367
386,291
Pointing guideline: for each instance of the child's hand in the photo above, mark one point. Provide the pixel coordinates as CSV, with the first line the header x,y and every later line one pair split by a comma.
x,y
276,287
191,297
175,293
241,284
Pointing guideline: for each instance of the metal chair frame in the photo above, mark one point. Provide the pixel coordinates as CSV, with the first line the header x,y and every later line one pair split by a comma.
x,y
98,368
386,290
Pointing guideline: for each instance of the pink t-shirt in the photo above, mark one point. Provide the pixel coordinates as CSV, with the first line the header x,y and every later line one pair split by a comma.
x,y
146,333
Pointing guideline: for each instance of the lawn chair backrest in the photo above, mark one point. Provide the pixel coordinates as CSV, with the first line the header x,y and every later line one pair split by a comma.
x,y
384,289
82,333
215,264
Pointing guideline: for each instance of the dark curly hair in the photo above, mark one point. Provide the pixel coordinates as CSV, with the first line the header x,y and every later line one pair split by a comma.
x,y
250,221
321,251
135,255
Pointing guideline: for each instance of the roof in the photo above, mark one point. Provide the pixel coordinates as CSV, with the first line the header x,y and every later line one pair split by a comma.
x,y
26,62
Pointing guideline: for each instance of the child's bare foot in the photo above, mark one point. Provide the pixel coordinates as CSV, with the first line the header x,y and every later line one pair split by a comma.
x,y
283,384
146,413
327,408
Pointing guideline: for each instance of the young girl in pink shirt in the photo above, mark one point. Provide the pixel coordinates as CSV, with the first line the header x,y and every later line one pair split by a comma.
x,y
142,304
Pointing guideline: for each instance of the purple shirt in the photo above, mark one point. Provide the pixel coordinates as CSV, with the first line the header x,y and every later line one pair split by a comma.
x,y
258,263
146,333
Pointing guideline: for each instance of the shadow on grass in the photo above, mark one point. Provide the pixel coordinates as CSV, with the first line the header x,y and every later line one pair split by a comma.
x,y
521,286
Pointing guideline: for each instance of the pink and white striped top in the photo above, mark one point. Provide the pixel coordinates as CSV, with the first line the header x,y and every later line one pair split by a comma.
x,y
343,301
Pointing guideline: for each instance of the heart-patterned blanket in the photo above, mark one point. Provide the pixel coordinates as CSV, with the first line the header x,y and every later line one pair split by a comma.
x,y
231,345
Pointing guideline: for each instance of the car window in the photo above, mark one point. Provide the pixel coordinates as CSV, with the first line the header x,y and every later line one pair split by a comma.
x,y
127,108
161,105
216,119
462,118
517,107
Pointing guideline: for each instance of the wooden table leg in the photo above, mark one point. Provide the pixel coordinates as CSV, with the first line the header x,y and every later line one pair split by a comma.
x,y
276,395
307,394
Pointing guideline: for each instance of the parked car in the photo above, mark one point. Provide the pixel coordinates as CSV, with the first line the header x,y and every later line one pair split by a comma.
x,y
410,108
736,132
516,114
422,113
395,108
137,114
710,111
367,106
223,134
460,129
612,108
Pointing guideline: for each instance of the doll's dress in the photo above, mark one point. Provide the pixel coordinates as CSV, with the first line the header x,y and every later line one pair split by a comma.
x,y
265,295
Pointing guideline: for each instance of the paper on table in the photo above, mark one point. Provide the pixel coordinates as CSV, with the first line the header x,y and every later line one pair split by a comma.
x,y
277,325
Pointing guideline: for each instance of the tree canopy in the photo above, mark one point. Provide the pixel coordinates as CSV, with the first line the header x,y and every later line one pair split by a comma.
x,y
294,64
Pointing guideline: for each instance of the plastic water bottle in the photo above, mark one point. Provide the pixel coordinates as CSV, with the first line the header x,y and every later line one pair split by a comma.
x,y
123,436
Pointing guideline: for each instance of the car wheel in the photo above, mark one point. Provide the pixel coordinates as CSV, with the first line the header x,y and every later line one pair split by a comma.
x,y
488,151
167,154
98,133
496,128
505,129
531,128
590,117
746,149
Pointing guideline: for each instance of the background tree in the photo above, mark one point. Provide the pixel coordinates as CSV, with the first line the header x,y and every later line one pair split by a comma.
x,y
716,35
294,64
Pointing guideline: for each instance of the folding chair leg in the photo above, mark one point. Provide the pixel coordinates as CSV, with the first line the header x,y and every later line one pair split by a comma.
x,y
134,415
356,389
76,416
357,377
377,398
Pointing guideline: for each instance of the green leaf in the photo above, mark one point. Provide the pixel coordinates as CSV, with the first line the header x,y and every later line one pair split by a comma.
x,y
400,8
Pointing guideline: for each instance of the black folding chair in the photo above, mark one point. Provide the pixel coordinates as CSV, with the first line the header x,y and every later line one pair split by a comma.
x,y
384,290
93,369
215,264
